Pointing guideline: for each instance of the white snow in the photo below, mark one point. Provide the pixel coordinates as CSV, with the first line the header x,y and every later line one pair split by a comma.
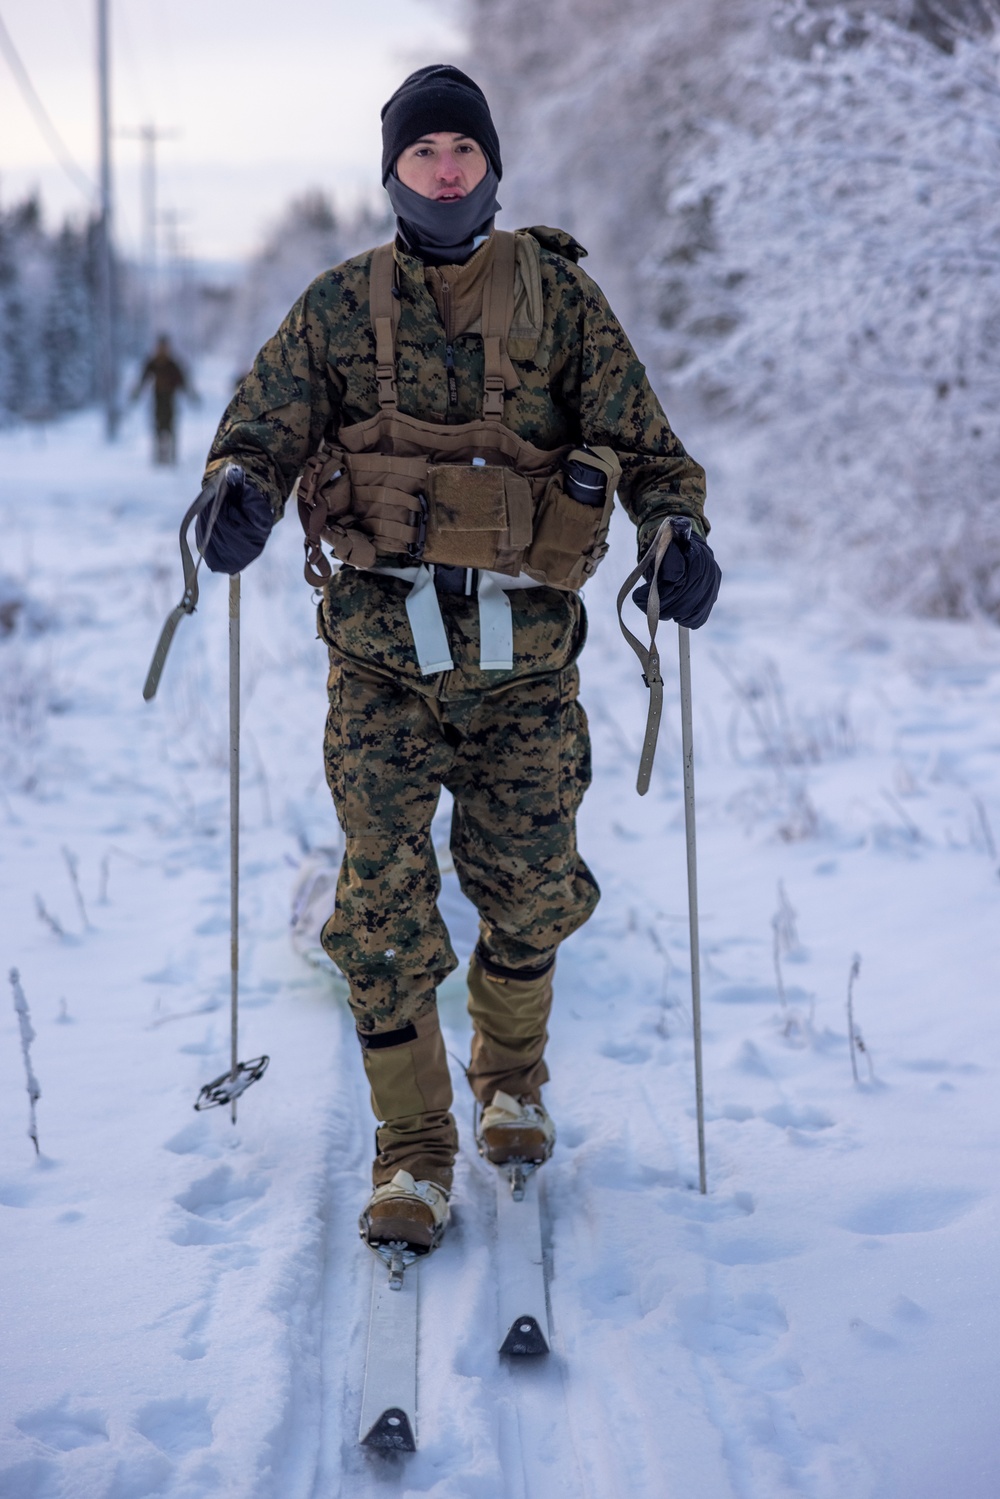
x,y
184,1304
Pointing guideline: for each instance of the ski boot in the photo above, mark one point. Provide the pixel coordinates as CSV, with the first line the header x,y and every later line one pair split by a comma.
x,y
404,1212
510,1131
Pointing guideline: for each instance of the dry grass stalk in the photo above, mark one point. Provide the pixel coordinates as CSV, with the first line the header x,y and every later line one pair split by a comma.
x,y
52,922
27,1036
73,866
985,826
785,938
854,1031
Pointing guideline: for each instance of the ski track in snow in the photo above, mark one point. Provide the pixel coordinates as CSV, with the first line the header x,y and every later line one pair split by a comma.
x,y
185,1304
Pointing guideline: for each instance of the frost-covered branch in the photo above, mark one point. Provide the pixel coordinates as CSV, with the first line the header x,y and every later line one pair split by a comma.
x,y
27,1036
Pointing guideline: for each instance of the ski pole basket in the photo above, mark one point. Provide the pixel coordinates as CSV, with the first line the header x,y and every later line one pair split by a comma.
x,y
228,1087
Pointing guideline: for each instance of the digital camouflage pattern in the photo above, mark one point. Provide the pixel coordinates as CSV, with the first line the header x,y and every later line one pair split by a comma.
x,y
512,746
516,757
582,383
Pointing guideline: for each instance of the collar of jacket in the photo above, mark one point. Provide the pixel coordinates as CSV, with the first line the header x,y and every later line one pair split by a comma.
x,y
458,289
529,313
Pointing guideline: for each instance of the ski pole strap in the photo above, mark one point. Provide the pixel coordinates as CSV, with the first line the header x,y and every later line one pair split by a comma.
x,y
649,656
213,494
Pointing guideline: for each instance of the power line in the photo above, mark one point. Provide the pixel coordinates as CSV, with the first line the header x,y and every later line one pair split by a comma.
x,y
56,143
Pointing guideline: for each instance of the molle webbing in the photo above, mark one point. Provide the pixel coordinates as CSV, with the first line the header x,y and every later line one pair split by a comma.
x,y
475,494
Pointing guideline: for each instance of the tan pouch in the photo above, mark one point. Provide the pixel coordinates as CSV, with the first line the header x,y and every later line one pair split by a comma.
x,y
570,539
325,498
479,515
323,485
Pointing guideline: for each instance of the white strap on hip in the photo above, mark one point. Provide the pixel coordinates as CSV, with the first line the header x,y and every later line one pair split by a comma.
x,y
496,630
423,610
424,613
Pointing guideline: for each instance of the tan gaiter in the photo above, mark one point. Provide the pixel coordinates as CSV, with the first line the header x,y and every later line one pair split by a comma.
x,y
509,1018
411,1097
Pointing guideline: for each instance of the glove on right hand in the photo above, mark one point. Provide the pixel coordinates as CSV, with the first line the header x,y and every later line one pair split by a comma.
x,y
241,528
688,582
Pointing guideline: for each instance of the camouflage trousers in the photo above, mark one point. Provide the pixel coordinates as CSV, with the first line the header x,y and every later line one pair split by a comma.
x,y
511,747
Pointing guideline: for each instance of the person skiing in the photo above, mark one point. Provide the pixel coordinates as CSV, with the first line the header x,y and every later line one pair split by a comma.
x,y
455,411
166,376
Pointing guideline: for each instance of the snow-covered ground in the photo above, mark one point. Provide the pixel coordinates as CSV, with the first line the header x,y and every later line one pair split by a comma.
x,y
184,1303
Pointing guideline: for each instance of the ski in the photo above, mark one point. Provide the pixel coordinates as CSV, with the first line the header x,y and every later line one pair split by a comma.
x,y
524,1320
389,1401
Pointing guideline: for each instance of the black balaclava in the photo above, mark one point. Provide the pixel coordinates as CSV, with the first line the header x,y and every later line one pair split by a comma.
x,y
444,233
433,99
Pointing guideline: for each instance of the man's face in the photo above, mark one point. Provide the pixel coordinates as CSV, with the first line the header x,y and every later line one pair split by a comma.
x,y
444,166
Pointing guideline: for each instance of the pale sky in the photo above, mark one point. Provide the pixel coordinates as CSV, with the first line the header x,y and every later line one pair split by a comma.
x,y
270,97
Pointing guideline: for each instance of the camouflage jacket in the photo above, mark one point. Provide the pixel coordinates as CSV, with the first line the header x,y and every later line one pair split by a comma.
x,y
580,382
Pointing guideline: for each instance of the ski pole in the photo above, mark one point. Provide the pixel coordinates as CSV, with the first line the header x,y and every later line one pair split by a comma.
x,y
234,830
649,658
687,750
228,1087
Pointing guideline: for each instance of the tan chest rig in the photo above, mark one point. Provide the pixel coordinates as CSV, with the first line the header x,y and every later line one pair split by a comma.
x,y
472,495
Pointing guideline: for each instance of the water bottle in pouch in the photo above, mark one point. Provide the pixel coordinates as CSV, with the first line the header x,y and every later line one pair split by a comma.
x,y
584,483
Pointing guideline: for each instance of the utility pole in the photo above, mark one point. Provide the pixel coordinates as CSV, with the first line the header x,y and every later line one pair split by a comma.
x,y
177,264
108,356
149,134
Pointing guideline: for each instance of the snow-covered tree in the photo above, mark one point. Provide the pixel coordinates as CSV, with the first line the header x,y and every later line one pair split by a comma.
x,y
793,207
598,103
841,293
47,313
68,333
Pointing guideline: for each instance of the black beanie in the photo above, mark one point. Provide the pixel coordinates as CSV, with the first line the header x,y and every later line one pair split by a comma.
x,y
437,98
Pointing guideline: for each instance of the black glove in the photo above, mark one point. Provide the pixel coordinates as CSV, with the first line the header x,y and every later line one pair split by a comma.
x,y
688,582
241,528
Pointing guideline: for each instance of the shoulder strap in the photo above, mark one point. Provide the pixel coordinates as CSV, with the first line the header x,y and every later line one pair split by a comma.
x,y
384,309
498,314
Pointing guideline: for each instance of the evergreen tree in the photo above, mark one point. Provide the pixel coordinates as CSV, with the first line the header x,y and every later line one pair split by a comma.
x,y
47,315
68,332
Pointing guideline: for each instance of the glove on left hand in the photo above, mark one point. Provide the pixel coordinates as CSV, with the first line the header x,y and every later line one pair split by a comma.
x,y
241,528
688,582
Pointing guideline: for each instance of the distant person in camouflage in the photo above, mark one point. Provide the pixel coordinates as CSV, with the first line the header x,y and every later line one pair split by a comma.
x,y
461,407
167,379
